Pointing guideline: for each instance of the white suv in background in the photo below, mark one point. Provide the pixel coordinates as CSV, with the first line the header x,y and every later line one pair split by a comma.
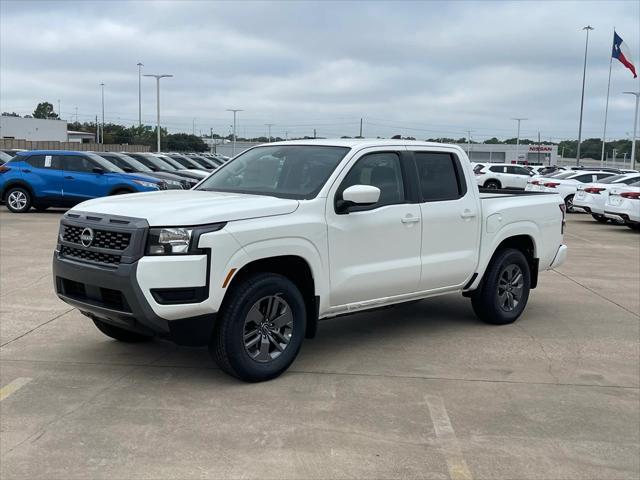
x,y
566,184
502,175
592,197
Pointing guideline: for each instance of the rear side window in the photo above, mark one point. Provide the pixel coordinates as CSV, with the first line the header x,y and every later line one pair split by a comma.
x,y
43,161
440,176
629,181
518,170
584,178
497,169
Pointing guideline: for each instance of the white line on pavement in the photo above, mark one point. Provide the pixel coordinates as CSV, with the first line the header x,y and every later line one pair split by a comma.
x,y
13,386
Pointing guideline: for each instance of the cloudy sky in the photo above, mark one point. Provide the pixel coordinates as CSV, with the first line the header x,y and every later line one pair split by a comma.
x,y
426,69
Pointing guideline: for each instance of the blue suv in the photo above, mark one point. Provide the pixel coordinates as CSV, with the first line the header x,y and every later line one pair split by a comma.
x,y
48,178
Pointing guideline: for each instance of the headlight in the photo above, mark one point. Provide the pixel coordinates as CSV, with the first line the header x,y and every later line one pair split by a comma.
x,y
169,241
173,183
178,240
142,183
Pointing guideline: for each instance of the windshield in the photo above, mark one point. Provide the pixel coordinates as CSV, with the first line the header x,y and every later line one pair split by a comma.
x,y
154,162
126,162
286,171
613,179
5,157
106,165
168,160
564,175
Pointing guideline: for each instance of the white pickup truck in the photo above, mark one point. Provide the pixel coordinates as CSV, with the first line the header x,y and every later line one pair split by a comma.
x,y
289,233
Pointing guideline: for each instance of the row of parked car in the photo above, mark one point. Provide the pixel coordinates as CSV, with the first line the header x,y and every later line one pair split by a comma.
x,y
608,194
59,178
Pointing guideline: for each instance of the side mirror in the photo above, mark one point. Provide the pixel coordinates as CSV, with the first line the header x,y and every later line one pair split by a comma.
x,y
98,170
358,195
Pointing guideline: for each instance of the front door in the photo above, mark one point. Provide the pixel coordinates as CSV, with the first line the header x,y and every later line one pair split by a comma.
x,y
81,182
374,251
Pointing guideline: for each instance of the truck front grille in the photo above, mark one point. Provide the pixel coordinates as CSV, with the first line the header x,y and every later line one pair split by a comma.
x,y
89,256
101,238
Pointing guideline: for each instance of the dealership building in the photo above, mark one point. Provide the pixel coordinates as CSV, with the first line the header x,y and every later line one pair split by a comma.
x,y
40,129
502,153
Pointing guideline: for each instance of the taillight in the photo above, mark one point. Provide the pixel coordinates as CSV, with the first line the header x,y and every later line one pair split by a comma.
x,y
4,168
595,190
563,209
535,182
551,184
631,195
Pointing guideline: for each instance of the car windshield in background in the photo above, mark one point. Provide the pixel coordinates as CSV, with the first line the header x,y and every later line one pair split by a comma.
x,y
126,162
5,157
611,179
287,171
106,165
566,174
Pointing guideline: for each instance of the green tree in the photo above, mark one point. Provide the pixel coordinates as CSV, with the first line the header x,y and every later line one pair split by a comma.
x,y
12,114
44,110
492,141
184,142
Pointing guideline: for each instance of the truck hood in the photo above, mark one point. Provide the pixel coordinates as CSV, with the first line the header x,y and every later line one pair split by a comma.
x,y
188,207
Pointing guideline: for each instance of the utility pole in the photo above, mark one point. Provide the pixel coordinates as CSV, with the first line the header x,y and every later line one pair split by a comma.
x,y
140,65
314,133
235,111
269,125
518,137
76,114
468,143
158,77
59,112
286,135
193,127
635,130
360,127
538,147
97,131
102,134
584,74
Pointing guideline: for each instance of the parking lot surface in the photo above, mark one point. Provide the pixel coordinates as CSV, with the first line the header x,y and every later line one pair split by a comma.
x,y
417,391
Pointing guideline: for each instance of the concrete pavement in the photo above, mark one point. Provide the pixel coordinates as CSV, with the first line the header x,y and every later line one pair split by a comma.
x,y
417,391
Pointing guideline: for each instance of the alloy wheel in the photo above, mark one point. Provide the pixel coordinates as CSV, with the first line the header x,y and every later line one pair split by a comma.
x,y
17,200
510,287
268,328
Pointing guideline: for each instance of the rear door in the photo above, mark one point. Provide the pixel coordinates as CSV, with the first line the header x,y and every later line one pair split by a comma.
x,y
44,175
450,220
81,182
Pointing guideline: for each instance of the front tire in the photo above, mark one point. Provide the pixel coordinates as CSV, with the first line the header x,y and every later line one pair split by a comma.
x,y
18,200
568,203
260,330
120,334
504,290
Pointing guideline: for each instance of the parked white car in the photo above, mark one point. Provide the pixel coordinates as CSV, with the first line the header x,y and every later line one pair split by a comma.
x,y
623,204
566,184
288,233
502,175
591,197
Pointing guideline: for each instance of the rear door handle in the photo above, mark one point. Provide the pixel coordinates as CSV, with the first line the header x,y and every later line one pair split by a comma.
x,y
410,219
467,214
68,177
26,170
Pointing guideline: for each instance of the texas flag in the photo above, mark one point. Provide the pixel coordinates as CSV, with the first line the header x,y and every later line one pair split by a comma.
x,y
621,52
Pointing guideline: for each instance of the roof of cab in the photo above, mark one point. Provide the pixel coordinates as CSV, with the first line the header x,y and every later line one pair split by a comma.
x,y
51,152
360,142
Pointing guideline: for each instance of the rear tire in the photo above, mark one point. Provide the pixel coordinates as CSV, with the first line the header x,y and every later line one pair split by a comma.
x,y
120,334
492,185
634,226
599,218
504,290
18,200
260,330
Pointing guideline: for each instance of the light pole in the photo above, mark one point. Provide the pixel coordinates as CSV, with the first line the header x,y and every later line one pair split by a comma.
x,y
235,111
269,125
518,138
158,77
635,129
102,129
59,113
584,74
140,65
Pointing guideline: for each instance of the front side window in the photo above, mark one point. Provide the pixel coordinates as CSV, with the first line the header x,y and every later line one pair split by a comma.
x,y
286,171
439,176
36,161
76,163
380,170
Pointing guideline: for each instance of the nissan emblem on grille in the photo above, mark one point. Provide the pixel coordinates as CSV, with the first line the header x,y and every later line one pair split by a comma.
x,y
86,237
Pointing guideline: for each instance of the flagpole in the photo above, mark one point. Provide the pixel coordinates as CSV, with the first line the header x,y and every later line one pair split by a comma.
x,y
606,108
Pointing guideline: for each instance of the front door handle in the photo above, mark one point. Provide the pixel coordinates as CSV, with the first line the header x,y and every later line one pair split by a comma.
x,y
467,214
26,170
68,177
410,219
